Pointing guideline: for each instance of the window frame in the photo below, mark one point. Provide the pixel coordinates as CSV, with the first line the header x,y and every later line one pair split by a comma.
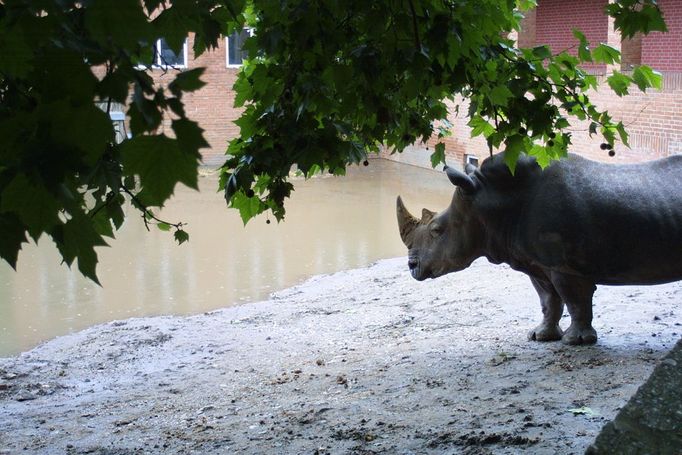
x,y
471,159
158,63
250,31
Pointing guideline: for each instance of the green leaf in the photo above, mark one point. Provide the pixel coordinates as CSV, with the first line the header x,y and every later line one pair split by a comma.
x,y
622,133
80,235
181,236
243,90
115,211
580,36
606,54
525,5
248,206
144,114
438,155
500,95
77,239
247,125
122,22
35,206
161,164
561,123
645,77
632,17
609,134
542,52
189,135
165,227
480,126
114,85
13,235
75,80
593,128
514,147
87,128
17,55
568,63
583,48
171,24
102,223
541,155
619,83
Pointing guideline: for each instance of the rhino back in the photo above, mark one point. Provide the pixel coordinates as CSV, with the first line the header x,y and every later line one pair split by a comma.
x,y
615,224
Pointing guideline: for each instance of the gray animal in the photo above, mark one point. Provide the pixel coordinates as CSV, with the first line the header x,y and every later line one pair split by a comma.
x,y
574,225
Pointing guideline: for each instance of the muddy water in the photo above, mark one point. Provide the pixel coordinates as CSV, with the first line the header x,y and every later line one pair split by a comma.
x,y
332,224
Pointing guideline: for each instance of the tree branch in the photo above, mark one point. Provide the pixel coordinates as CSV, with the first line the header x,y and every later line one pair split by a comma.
x,y
417,41
148,214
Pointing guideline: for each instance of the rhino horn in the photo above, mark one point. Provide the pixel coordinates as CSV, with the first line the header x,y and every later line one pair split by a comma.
x,y
460,179
427,215
406,222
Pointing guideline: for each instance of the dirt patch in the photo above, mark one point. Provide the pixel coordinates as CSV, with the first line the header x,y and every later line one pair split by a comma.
x,y
365,361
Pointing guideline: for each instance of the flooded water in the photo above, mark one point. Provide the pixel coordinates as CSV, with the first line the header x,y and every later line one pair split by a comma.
x,y
332,224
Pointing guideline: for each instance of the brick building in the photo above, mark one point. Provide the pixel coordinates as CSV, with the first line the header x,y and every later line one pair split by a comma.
x,y
212,105
653,119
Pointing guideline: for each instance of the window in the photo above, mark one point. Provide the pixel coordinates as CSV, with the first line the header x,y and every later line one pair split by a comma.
x,y
235,55
471,159
164,57
117,116
118,119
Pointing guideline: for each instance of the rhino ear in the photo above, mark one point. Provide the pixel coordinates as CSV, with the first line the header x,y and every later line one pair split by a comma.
x,y
427,215
469,169
460,179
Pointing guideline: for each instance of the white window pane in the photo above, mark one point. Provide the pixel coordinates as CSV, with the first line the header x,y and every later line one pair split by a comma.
x,y
235,54
167,57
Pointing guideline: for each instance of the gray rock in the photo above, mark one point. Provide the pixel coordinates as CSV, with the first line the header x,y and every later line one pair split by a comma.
x,y
651,422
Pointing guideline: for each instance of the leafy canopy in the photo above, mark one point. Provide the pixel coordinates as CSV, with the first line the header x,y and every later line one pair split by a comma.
x,y
328,82
61,172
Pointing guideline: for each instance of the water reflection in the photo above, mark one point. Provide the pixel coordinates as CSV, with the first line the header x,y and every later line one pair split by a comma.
x,y
332,224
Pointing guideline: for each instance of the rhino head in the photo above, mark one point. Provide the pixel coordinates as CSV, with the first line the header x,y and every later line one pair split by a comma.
x,y
440,243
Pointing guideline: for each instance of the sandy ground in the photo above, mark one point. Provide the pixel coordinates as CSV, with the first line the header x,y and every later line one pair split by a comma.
x,y
363,361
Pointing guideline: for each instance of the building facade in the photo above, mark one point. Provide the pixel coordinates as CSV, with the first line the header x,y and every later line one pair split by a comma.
x,y
653,119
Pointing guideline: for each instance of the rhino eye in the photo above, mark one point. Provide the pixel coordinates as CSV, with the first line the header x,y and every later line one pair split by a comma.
x,y
436,229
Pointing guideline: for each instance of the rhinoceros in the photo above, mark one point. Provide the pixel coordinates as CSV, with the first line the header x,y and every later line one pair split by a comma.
x,y
569,227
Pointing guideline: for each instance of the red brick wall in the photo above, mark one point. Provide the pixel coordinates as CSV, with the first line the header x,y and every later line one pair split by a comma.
x,y
527,36
212,105
663,51
652,119
556,19
631,52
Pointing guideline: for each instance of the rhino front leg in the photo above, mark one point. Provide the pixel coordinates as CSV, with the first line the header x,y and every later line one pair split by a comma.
x,y
577,293
552,309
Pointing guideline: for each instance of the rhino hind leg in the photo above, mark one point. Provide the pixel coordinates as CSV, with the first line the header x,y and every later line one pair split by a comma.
x,y
576,293
552,309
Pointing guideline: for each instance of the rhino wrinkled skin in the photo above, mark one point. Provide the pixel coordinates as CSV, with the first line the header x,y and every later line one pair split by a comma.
x,y
574,225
